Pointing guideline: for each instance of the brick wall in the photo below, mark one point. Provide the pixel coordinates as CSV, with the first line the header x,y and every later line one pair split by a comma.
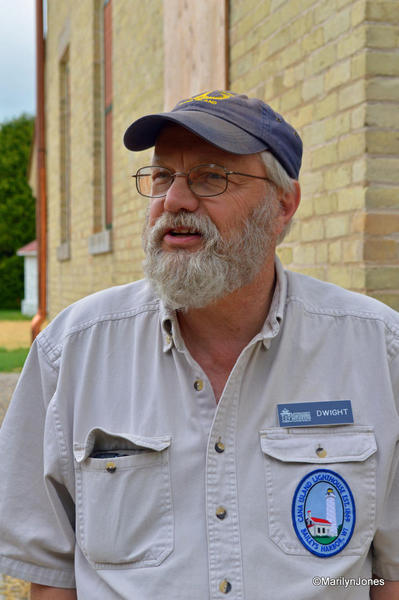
x,y
332,68
137,87
381,164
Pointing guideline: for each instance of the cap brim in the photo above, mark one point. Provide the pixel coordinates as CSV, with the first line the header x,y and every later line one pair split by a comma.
x,y
142,134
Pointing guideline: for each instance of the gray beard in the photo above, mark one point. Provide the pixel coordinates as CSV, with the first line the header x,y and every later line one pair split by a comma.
x,y
186,279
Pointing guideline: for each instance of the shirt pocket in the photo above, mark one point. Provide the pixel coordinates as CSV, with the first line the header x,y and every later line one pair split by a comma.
x,y
295,457
123,499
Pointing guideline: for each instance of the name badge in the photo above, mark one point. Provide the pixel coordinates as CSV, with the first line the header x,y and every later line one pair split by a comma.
x,y
308,414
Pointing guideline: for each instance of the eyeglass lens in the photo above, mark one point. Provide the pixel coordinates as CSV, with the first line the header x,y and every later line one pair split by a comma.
x,y
204,180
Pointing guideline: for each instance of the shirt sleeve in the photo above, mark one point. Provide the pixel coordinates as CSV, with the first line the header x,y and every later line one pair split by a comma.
x,y
386,540
36,525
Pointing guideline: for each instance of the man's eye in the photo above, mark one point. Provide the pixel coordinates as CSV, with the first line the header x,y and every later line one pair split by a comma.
x,y
160,176
209,176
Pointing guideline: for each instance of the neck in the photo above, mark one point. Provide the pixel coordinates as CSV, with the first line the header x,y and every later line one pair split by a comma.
x,y
232,321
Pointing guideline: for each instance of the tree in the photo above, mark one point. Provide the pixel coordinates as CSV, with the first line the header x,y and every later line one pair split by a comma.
x,y
17,206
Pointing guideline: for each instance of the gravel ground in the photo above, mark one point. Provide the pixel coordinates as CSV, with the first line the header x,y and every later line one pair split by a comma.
x,y
10,589
13,589
8,381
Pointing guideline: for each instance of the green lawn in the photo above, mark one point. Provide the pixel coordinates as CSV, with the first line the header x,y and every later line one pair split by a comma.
x,y
323,539
12,360
13,315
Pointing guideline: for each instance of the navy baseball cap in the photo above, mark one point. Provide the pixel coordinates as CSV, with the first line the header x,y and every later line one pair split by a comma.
x,y
230,121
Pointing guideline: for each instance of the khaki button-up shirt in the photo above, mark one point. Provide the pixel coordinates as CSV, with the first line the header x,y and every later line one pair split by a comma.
x,y
121,476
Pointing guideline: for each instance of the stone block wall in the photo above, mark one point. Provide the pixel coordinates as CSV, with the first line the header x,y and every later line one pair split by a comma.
x,y
137,87
332,68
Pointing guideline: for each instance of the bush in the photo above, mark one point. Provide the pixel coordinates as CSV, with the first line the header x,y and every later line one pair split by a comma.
x,y
17,207
11,282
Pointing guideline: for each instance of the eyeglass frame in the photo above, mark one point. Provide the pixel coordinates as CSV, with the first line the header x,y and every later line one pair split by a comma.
x,y
186,175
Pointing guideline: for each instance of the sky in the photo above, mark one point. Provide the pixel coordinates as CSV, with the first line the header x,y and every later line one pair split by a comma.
x,y
17,58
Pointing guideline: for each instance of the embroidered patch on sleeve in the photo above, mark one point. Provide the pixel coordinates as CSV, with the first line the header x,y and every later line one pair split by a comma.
x,y
323,512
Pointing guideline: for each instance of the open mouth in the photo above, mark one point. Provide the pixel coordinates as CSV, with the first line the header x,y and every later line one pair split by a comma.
x,y
183,232
182,237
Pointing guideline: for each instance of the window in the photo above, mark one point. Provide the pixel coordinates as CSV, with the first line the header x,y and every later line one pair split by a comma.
x,y
201,47
63,250
100,241
108,110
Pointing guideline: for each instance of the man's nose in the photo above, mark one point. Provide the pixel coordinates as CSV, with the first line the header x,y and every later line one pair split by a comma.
x,y
179,196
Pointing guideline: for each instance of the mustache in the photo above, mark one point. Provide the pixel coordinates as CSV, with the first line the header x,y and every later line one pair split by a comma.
x,y
202,224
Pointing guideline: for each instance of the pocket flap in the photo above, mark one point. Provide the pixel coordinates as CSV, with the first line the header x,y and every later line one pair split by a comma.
x,y
101,439
321,445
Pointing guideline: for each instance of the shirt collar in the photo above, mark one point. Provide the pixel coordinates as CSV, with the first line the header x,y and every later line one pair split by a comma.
x,y
170,329
272,324
271,327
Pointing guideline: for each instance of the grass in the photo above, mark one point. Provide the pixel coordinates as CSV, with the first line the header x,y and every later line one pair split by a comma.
x,y
13,315
12,360
14,341
323,539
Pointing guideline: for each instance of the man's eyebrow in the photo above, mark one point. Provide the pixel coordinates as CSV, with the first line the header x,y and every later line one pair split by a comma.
x,y
156,161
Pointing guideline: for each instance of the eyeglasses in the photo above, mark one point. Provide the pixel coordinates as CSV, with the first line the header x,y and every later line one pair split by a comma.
x,y
203,180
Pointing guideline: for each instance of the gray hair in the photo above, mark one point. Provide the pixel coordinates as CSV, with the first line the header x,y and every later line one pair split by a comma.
x,y
279,176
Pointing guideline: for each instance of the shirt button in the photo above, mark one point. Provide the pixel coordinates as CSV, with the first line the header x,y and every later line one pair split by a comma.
x,y
225,586
168,339
221,512
198,385
321,452
110,467
219,446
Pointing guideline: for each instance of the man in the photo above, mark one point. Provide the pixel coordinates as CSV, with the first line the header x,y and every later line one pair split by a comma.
x,y
222,428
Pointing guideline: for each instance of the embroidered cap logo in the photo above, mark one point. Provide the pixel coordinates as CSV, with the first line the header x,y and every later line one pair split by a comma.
x,y
206,97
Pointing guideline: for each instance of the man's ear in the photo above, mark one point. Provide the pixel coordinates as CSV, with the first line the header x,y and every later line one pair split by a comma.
x,y
289,202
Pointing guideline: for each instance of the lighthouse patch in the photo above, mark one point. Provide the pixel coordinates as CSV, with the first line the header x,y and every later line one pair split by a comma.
x,y
323,512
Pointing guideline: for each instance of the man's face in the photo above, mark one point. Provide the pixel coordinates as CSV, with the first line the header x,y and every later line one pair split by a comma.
x,y
201,249
180,150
